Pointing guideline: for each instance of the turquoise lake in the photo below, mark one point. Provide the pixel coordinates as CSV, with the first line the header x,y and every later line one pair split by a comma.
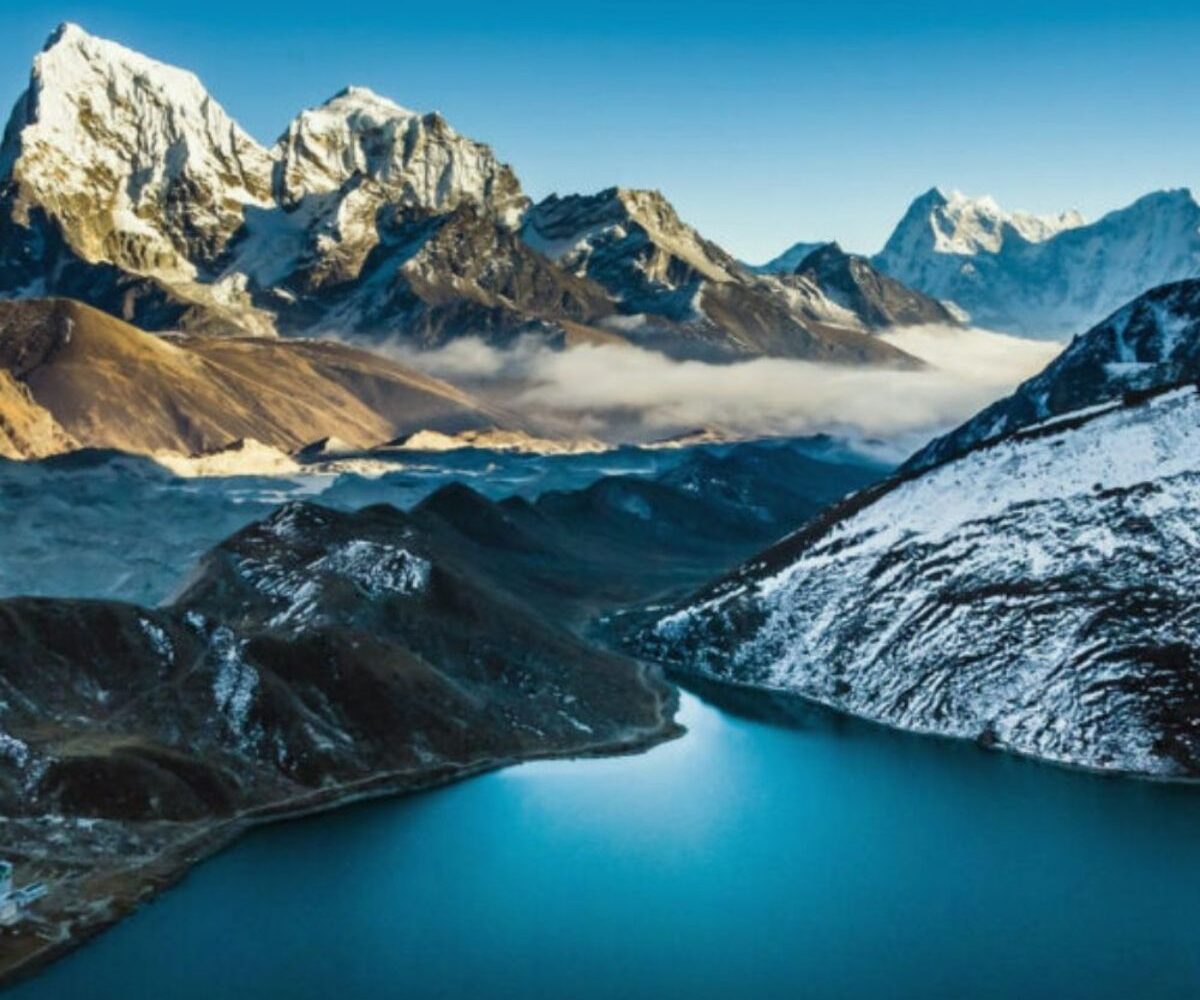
x,y
808,858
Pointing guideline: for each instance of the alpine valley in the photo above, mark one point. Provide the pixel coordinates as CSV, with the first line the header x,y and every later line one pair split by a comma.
x,y
291,520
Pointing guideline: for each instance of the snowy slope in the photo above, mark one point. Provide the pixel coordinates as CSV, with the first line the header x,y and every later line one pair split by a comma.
x,y
1042,276
419,160
1152,341
1038,594
134,157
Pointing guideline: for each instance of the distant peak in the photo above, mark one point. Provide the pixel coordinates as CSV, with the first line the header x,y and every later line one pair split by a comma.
x,y
1182,195
358,95
934,196
352,99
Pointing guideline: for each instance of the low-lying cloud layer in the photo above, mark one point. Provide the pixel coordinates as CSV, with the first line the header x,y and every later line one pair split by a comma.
x,y
621,392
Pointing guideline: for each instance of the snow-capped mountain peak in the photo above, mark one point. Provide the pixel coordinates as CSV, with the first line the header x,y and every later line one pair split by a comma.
x,y
134,158
420,160
1041,276
955,223
125,184
574,228
789,260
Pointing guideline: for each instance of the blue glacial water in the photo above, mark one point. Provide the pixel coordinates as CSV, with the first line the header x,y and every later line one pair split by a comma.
x,y
821,858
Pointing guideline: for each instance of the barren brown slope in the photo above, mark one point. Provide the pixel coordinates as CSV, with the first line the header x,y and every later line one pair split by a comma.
x,y
27,430
111,385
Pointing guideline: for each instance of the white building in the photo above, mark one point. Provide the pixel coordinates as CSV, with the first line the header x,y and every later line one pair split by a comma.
x,y
14,901
9,911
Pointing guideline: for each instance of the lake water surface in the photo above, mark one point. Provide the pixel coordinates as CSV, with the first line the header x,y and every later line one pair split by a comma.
x,y
820,859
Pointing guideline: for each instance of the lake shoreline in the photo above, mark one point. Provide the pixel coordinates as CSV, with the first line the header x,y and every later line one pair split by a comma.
x,y
709,689
208,838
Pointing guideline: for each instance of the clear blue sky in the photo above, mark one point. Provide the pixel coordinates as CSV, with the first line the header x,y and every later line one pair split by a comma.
x,y
765,123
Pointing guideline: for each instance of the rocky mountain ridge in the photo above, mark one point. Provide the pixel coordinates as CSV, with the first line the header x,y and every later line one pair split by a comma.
x,y
1152,341
316,657
853,282
125,185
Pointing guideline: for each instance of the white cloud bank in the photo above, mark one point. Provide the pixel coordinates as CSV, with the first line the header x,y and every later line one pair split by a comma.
x,y
622,392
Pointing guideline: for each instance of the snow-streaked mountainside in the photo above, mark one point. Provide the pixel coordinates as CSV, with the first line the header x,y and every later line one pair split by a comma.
x,y
113,159
854,284
956,224
418,160
124,184
1039,595
1041,276
1152,341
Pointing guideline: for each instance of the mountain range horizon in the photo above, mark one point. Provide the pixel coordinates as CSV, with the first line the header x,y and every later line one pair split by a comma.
x,y
945,190
211,230
424,93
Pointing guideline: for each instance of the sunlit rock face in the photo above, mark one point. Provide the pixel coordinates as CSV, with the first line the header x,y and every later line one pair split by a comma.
x,y
124,184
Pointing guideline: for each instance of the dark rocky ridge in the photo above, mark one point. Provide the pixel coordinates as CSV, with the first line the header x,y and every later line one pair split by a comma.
x,y
315,658
878,300
318,656
683,294
1152,341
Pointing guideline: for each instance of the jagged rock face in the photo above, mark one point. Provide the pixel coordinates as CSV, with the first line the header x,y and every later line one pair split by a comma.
x,y
123,182
879,301
1038,595
1153,341
126,186
1042,277
438,277
632,242
133,159
313,650
682,293
419,161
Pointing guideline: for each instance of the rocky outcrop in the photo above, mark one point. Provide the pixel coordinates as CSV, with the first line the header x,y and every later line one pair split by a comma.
x,y
27,430
878,301
312,650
